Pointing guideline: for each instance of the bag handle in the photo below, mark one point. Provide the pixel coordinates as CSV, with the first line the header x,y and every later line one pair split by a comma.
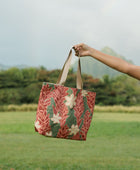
x,y
64,72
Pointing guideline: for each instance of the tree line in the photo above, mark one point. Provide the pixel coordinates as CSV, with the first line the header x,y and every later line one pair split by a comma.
x,y
18,86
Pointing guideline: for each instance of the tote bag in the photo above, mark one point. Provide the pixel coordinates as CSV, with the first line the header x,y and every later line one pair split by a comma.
x,y
65,112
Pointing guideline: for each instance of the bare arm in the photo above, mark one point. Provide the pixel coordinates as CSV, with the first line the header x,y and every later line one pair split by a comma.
x,y
113,62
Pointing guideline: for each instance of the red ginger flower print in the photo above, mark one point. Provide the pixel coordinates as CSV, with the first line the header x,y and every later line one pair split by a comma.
x,y
79,108
91,100
63,132
76,137
60,105
83,135
63,120
45,91
87,121
42,124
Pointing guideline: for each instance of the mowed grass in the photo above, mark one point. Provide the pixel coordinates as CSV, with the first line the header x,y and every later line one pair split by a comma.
x,y
113,143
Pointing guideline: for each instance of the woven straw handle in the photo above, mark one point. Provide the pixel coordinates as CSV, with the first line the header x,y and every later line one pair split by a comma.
x,y
64,72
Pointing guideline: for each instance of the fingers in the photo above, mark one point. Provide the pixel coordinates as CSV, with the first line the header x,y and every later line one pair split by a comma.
x,y
77,53
76,50
78,47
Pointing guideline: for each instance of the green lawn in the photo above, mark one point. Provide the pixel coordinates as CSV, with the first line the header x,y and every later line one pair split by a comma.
x,y
113,143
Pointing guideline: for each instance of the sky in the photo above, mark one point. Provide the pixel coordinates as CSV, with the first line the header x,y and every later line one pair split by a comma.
x,y
41,32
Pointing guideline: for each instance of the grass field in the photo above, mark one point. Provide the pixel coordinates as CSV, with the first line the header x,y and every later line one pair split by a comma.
x,y
33,107
113,143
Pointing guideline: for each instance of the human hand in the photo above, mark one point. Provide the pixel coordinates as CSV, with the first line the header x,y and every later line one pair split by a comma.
x,y
82,50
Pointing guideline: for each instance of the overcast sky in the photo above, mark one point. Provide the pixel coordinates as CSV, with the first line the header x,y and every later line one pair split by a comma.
x,y
41,32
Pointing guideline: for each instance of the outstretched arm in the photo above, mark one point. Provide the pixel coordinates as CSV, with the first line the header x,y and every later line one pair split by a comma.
x,y
113,62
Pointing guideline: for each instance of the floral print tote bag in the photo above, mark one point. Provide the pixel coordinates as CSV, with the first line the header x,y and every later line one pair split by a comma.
x,y
65,112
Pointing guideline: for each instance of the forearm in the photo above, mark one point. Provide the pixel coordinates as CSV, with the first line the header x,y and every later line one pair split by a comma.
x,y
116,63
111,61
134,71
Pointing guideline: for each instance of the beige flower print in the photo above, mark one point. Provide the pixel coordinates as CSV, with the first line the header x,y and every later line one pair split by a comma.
x,y
37,124
74,129
84,93
70,101
49,133
56,118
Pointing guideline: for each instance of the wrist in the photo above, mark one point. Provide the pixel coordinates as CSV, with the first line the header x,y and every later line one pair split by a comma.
x,y
92,51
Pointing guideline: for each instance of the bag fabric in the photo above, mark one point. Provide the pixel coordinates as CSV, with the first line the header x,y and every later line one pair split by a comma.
x,y
64,112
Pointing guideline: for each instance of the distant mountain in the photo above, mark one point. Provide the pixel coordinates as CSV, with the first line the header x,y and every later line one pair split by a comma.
x,y
89,65
5,67
96,68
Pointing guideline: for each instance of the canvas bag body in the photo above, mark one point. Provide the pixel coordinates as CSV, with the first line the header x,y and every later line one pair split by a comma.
x,y
65,112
